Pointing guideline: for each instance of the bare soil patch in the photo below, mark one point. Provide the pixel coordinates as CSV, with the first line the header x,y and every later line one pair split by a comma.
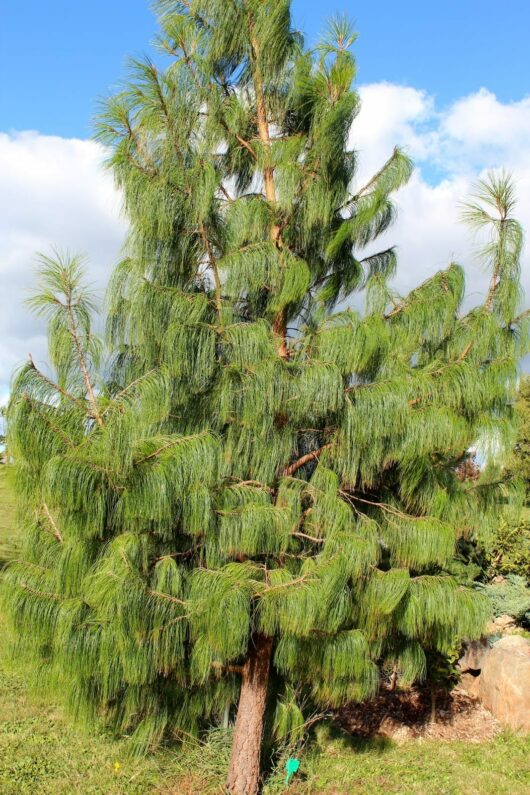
x,y
407,715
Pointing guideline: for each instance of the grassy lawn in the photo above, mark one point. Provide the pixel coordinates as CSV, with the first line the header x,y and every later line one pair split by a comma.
x,y
8,533
500,767
43,753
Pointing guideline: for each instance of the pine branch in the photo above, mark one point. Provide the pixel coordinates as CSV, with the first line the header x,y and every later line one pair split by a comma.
x,y
55,530
41,594
200,19
305,459
44,416
55,386
165,627
226,194
290,584
149,169
81,358
191,66
384,506
126,390
309,538
212,261
245,144
371,182
256,483
157,453
465,353
497,267
167,596
167,115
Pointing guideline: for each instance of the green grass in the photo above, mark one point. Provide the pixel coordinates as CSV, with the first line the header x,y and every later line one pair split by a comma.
x,y
8,532
43,753
500,767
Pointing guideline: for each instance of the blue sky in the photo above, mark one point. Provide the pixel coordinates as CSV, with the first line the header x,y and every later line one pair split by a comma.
x,y
448,81
58,56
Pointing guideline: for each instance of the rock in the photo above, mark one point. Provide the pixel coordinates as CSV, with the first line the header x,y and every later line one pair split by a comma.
x,y
396,731
515,642
473,656
403,734
500,625
504,683
470,684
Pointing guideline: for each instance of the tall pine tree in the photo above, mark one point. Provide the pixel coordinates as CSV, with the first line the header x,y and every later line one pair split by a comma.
x,y
252,500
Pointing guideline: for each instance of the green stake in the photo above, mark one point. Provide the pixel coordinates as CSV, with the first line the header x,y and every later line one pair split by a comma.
x,y
292,767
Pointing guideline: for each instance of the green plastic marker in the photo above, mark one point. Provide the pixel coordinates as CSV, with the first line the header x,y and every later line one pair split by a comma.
x,y
292,766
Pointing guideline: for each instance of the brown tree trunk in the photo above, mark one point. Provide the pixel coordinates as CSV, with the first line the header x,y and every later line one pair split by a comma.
x,y
280,321
244,770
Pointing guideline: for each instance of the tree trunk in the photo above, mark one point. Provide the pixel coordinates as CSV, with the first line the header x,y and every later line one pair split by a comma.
x,y
433,705
244,770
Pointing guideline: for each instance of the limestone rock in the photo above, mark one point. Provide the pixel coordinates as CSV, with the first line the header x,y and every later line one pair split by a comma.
x,y
500,625
474,653
470,684
504,686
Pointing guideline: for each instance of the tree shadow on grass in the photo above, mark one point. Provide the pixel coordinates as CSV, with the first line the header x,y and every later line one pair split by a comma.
x,y
331,732
8,553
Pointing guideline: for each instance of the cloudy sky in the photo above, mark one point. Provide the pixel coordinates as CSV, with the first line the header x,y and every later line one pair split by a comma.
x,y
449,85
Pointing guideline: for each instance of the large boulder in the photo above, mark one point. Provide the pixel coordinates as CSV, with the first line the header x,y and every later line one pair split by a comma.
x,y
473,656
470,684
504,686
470,666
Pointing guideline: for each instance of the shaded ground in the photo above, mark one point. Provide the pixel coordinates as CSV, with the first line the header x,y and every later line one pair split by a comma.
x,y
406,716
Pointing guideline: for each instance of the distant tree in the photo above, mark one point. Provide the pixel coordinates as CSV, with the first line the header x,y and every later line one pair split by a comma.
x,y
2,435
518,465
254,504
506,550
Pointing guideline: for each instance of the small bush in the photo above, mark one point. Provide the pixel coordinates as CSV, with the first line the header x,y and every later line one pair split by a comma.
x,y
510,596
508,551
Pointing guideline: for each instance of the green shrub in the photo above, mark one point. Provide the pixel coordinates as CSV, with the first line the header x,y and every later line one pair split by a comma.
x,y
510,596
508,551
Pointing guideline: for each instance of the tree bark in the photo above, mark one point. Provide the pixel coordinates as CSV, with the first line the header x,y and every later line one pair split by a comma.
x,y
244,770
280,321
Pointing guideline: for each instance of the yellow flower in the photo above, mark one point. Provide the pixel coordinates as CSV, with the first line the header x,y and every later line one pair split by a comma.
x,y
117,766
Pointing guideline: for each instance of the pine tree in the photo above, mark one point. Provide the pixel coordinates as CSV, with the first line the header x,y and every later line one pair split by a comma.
x,y
249,500
518,465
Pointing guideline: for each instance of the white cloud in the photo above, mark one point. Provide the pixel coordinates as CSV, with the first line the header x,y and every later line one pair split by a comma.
x,y
54,192
390,116
452,148
481,123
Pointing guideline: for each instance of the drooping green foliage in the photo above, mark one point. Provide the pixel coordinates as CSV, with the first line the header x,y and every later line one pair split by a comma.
x,y
500,558
518,465
255,456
